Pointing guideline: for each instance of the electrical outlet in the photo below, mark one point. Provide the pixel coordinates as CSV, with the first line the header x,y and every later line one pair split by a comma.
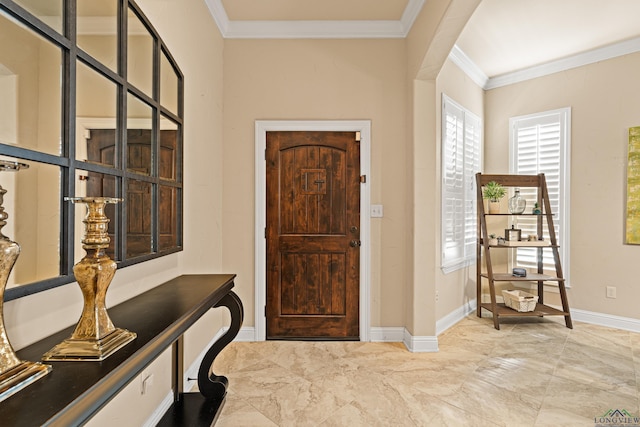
x,y
437,296
146,380
611,292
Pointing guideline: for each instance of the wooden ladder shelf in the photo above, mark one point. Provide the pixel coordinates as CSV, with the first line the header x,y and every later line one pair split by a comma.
x,y
485,269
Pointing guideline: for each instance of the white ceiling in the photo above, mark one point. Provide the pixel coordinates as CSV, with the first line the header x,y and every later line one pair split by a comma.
x,y
507,35
503,38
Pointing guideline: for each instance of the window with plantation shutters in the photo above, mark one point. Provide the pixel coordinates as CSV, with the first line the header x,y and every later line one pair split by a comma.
x,y
540,144
461,154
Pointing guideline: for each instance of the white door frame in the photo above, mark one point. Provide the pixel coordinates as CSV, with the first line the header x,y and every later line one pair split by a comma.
x,y
261,129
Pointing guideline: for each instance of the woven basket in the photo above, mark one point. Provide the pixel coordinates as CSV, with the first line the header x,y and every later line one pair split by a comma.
x,y
520,300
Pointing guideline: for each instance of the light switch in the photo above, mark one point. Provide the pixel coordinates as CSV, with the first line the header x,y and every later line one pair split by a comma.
x,y
377,211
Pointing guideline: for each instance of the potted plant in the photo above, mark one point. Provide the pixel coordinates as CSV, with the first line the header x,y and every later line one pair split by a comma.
x,y
536,209
493,239
493,192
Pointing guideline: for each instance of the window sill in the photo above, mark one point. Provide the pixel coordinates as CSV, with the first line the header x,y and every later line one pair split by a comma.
x,y
446,269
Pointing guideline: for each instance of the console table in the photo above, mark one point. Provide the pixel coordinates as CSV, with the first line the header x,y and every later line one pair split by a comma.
x,y
75,391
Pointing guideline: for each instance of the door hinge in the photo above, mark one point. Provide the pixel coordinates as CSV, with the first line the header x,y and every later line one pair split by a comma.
x,y
265,311
265,232
358,136
363,178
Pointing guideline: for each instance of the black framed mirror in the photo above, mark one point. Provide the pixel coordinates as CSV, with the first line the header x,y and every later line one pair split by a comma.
x,y
93,103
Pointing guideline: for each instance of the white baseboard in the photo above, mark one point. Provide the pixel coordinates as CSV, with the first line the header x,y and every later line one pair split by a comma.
x,y
157,415
246,334
424,344
455,316
389,334
416,344
608,320
600,319
399,334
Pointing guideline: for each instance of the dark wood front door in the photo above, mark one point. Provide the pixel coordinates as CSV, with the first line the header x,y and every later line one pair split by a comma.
x,y
313,235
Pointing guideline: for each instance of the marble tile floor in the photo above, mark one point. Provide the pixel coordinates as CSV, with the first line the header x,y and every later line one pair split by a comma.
x,y
533,372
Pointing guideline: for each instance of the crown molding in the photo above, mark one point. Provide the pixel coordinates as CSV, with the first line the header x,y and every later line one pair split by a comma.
x,y
410,14
574,61
219,15
458,57
314,29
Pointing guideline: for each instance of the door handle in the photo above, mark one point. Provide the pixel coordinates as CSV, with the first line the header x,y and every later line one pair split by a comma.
x,y
355,243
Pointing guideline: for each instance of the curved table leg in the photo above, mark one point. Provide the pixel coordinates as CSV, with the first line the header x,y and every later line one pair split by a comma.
x,y
213,386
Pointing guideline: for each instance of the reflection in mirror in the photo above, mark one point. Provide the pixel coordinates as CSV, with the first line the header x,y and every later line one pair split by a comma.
x,y
167,218
139,54
138,206
94,184
139,147
168,85
98,30
47,103
48,11
33,197
96,122
29,76
168,147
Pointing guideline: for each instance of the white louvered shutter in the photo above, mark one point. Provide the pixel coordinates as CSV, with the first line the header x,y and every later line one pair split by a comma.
x,y
461,150
539,144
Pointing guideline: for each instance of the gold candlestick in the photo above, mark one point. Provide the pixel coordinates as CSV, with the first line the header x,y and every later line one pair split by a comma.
x,y
15,374
95,338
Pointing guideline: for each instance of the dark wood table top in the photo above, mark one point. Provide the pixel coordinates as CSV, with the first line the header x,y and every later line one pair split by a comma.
x,y
74,391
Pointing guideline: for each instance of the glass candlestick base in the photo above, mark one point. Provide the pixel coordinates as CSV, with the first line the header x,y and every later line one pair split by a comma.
x,y
15,374
95,338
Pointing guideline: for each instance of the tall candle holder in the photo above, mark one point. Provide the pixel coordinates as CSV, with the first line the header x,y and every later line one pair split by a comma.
x,y
15,374
95,337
